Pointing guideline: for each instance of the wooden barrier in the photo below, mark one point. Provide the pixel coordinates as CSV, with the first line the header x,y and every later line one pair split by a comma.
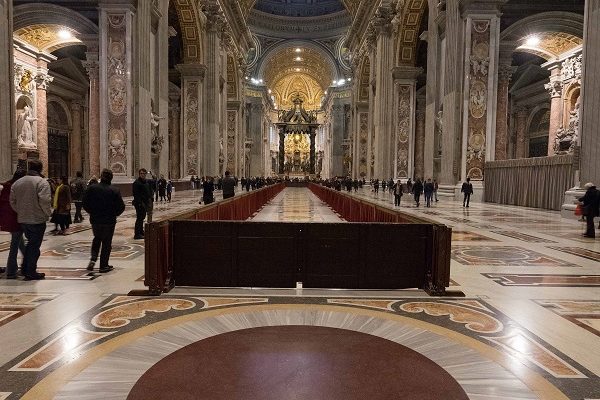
x,y
379,248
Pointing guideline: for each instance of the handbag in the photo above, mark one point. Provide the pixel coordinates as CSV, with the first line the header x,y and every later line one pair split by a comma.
x,y
579,210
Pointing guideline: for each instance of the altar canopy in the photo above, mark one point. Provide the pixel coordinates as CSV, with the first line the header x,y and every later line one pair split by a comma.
x,y
297,130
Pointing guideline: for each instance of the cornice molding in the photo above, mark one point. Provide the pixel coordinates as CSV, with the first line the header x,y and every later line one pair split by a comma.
x,y
310,28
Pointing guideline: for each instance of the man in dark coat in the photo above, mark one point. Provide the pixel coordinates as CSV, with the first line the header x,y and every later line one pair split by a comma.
x,y
104,204
428,190
467,190
78,187
228,185
591,204
142,201
417,189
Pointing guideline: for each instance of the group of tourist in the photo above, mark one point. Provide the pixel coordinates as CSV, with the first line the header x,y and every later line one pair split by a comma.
x,y
28,200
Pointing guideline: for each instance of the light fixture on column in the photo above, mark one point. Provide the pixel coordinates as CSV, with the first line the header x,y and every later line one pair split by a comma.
x,y
298,50
64,34
532,41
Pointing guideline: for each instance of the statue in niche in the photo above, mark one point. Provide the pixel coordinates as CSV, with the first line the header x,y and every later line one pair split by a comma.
x,y
567,139
439,123
25,128
157,140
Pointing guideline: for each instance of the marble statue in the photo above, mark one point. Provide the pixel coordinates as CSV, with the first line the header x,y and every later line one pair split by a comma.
x,y
25,126
157,139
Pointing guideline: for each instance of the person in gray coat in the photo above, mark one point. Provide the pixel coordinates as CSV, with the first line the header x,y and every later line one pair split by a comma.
x,y
30,198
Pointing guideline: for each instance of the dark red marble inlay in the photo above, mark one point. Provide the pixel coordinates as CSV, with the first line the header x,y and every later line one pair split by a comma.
x,y
296,362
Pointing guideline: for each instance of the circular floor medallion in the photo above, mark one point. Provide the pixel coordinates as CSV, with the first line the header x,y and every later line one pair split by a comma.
x,y
296,362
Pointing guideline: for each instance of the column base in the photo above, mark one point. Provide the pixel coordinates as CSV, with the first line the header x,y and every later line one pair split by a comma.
x,y
567,210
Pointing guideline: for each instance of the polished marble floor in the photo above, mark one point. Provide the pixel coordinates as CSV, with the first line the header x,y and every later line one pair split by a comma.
x,y
528,326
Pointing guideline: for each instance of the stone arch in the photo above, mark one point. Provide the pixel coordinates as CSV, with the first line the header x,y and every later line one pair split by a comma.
x,y
551,23
44,13
408,35
325,54
534,128
63,104
191,33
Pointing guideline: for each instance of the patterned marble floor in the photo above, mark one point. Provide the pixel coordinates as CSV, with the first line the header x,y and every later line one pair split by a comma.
x,y
529,326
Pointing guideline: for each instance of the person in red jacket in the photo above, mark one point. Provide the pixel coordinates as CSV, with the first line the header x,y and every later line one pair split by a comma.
x,y
9,223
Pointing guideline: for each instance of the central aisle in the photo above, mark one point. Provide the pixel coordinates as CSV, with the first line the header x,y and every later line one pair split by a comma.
x,y
296,205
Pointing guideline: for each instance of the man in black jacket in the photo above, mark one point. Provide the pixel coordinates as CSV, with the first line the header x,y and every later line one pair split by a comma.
x,y
228,185
467,190
591,203
142,201
104,203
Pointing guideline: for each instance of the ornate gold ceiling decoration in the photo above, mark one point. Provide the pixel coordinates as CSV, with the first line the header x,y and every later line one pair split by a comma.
x,y
409,31
309,62
48,37
190,34
551,44
294,85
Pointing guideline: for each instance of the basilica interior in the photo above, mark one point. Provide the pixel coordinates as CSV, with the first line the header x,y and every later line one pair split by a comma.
x,y
502,92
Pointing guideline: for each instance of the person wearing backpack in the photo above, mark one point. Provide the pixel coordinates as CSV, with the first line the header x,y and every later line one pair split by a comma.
x,y
77,189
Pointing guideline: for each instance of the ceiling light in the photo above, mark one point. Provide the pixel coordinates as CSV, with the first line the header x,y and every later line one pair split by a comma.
x,y
260,81
64,34
298,58
297,69
298,50
269,91
341,81
533,41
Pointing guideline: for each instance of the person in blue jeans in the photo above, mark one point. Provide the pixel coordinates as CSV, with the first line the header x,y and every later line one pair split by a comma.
x,y
30,198
9,223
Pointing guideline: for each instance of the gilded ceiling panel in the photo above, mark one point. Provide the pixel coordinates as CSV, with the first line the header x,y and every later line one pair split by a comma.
x,y
308,61
550,45
294,85
48,37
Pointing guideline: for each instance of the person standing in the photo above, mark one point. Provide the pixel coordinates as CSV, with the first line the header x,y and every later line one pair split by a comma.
x,y
436,186
417,189
169,190
397,188
9,223
428,190
62,205
591,202
228,185
30,198
142,201
104,204
208,187
162,188
77,190
467,190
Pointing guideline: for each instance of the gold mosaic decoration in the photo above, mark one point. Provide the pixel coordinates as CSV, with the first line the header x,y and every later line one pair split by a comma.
x,y
409,32
190,34
46,37
552,44
295,85
311,62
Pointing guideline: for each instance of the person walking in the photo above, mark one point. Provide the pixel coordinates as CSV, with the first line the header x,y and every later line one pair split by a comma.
x,y
417,189
467,190
208,188
104,204
77,190
142,201
397,188
62,205
591,203
162,188
428,190
228,185
436,186
9,223
30,198
169,190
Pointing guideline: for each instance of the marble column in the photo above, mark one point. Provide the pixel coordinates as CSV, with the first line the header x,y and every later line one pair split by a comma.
x,y
590,104
420,139
521,115
93,150
384,147
281,151
337,137
210,150
76,149
42,80
7,103
504,75
404,121
482,33
555,88
192,100
174,134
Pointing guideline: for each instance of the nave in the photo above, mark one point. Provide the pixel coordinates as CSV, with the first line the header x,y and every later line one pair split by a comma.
x,y
523,271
